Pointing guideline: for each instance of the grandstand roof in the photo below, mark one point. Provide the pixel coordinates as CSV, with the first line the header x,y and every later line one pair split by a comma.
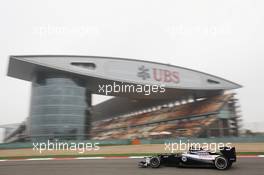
x,y
178,81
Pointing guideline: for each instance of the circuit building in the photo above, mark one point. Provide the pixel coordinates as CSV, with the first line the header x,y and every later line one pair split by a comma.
x,y
61,96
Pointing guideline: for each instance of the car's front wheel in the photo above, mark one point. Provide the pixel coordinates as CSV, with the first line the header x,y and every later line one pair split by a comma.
x,y
154,162
221,163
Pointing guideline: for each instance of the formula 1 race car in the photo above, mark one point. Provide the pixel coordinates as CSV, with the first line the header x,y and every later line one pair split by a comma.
x,y
193,158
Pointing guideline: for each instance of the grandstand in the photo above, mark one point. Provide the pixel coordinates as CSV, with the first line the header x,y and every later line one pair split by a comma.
x,y
211,117
19,133
13,131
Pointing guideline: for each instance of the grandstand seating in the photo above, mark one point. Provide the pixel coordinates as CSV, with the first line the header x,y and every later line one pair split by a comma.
x,y
184,120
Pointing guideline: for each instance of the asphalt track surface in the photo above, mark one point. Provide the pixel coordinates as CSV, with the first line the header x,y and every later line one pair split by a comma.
x,y
244,166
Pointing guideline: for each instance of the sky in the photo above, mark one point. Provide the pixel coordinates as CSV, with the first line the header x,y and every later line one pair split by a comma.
x,y
223,38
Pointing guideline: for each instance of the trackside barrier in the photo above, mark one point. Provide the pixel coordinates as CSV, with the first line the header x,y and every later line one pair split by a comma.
x,y
255,139
18,145
135,142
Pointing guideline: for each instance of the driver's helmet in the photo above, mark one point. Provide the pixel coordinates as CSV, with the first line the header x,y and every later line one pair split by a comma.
x,y
193,149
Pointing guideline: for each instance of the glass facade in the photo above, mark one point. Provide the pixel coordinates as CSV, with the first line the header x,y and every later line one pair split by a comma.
x,y
59,107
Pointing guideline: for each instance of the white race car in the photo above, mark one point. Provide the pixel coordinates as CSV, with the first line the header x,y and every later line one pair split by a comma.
x,y
194,158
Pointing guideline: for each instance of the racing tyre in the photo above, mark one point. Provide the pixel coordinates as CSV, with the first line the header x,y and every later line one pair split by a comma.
x,y
221,163
154,162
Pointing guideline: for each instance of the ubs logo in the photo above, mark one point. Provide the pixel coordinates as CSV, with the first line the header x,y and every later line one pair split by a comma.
x,y
143,72
159,75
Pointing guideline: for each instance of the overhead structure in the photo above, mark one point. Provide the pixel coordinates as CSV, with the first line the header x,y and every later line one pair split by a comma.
x,y
62,86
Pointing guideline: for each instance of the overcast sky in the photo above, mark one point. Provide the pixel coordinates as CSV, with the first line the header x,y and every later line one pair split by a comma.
x,y
223,38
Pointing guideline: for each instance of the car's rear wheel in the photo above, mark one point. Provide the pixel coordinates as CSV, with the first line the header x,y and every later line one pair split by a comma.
x,y
221,163
154,162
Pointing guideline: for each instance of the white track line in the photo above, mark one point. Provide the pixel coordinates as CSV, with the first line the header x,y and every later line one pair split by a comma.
x,y
136,157
39,159
247,156
89,158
